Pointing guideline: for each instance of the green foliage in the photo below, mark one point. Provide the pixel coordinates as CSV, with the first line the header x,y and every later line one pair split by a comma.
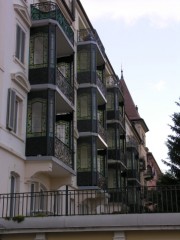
x,y
173,144
168,179
18,218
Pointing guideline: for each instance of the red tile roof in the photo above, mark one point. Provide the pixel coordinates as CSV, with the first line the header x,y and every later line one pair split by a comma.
x,y
131,109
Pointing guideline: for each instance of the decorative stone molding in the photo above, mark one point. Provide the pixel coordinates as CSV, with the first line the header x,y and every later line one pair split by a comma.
x,y
21,80
119,236
23,13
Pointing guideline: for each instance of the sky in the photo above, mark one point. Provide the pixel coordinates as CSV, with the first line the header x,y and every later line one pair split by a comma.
x,y
143,36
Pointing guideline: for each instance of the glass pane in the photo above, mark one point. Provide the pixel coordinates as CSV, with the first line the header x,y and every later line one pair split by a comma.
x,y
83,107
84,157
63,131
111,138
110,101
17,41
22,46
83,61
38,50
36,116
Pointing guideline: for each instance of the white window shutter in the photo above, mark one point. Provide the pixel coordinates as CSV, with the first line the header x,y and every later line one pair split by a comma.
x,y
11,109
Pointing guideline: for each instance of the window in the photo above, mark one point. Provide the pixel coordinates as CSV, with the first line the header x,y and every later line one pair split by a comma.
x,y
20,43
14,187
36,117
84,106
63,131
39,198
83,61
14,112
38,54
84,157
110,101
111,138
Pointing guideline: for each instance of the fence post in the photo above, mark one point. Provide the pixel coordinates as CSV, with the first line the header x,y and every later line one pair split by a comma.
x,y
66,200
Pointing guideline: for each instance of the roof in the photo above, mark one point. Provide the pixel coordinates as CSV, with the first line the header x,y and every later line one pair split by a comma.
x,y
131,109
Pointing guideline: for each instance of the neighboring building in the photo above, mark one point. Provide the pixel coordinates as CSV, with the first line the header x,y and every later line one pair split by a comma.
x,y
153,170
72,143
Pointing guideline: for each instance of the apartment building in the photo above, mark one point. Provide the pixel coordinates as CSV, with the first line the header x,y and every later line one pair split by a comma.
x,y
72,143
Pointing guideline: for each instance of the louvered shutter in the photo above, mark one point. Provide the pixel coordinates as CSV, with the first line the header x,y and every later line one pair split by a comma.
x,y
11,109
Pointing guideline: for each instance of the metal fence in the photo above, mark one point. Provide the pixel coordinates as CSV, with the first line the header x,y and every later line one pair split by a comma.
x,y
70,202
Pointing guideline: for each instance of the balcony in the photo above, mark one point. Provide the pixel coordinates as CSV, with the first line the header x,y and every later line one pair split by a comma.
x,y
131,143
113,81
69,202
115,115
51,150
148,174
116,156
133,174
87,35
90,178
39,79
142,164
50,10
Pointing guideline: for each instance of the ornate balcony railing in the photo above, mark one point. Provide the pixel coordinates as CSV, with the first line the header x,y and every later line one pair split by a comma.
x,y
69,202
64,86
102,132
101,86
63,152
90,35
50,10
112,81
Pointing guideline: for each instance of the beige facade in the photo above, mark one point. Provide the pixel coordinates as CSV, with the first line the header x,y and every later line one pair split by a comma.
x,y
153,235
99,235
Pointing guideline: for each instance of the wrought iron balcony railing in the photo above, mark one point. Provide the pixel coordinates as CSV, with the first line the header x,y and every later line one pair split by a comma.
x,y
101,86
112,81
68,202
90,35
63,152
102,132
64,86
50,10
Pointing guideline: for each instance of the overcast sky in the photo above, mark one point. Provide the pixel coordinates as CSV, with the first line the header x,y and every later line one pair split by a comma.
x,y
144,37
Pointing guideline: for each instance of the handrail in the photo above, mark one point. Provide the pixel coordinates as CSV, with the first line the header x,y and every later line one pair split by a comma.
x,y
125,200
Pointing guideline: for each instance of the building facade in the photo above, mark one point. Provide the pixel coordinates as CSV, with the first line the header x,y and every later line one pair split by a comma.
x,y
71,139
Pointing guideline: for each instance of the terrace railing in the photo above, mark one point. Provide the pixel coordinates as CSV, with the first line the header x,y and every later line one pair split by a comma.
x,y
68,202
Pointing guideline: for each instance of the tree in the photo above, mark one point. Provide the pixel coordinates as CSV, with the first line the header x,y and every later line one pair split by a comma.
x,y
173,144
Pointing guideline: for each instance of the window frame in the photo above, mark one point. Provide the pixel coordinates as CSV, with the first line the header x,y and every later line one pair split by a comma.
x,y
20,44
14,112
